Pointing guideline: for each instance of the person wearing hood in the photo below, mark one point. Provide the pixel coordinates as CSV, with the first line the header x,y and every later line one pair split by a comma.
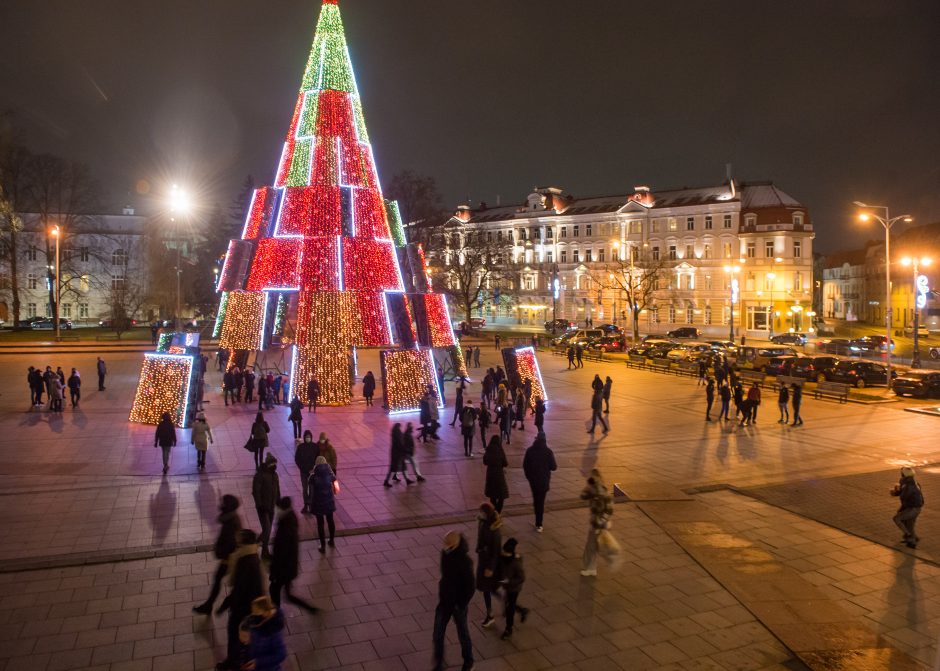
x,y
326,450
165,437
201,437
225,544
265,636
75,387
489,540
259,438
496,488
285,558
912,501
540,415
296,416
323,500
368,388
512,577
396,460
454,592
538,464
266,490
601,505
247,584
313,393
305,457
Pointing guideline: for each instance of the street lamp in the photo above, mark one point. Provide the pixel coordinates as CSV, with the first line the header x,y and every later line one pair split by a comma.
x,y
732,271
56,233
179,205
772,277
887,221
921,287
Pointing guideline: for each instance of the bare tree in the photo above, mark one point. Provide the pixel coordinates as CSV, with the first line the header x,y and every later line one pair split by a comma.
x,y
421,204
635,276
14,166
125,299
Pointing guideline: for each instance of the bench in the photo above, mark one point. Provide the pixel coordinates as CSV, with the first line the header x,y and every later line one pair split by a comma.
x,y
835,390
787,380
560,351
663,365
593,355
636,361
689,368
752,377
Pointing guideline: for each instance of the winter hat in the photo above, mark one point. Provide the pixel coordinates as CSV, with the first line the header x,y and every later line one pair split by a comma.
x,y
907,472
270,459
510,545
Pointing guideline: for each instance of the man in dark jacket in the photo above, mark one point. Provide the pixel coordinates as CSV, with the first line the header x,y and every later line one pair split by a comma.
x,y
75,387
102,371
306,458
538,464
709,399
228,386
249,386
285,560
912,501
596,416
225,545
605,392
454,592
512,577
266,490
245,578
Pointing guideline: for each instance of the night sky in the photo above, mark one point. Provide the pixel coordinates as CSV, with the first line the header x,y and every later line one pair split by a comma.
x,y
834,101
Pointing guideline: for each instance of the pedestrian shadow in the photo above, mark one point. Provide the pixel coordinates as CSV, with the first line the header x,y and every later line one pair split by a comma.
x,y
207,497
79,419
162,512
589,456
32,418
905,589
56,422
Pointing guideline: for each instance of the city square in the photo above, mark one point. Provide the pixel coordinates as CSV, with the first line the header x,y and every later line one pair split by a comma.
x,y
308,421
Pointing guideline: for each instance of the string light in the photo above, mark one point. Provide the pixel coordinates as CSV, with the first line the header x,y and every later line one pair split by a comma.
x,y
244,319
433,320
220,318
275,264
280,314
369,265
311,211
523,362
330,365
164,386
371,218
260,214
406,375
235,267
163,344
397,228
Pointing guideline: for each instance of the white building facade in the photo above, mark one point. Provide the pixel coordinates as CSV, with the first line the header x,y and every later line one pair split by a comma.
x,y
744,249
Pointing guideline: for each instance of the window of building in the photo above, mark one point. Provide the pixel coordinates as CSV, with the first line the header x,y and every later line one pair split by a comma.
x,y
797,219
66,253
564,256
750,220
499,235
797,249
30,309
636,226
708,222
708,315
797,281
31,253
548,256
119,258
690,223
522,234
48,309
587,255
83,254
82,310
656,253
564,231
707,251
751,250
65,310
673,226
654,227
672,252
509,235
601,253
686,281
549,232
727,221
528,282
769,249
634,253
575,255
118,282
690,251
489,236
672,314
689,316
576,231
727,250
32,281
588,230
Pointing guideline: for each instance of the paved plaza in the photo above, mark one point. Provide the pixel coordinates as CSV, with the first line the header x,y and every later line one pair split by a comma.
x,y
707,508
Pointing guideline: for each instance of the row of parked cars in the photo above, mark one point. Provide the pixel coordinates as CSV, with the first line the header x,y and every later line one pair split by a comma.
x,y
604,338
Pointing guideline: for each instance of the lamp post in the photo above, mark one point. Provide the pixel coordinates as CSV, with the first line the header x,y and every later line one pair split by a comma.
x,y
887,222
772,277
56,233
921,287
732,271
179,205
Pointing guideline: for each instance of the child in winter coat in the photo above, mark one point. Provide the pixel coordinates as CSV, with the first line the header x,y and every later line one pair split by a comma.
x,y
512,577
264,631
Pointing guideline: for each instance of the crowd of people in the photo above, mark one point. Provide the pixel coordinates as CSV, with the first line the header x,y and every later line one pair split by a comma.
x,y
730,389
47,387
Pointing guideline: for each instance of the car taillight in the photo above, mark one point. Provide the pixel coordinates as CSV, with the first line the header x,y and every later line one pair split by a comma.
x,y
852,372
810,367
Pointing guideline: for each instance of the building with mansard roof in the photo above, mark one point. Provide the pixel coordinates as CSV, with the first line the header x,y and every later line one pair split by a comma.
x,y
731,249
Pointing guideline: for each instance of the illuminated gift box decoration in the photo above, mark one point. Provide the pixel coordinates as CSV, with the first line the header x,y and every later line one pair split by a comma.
x,y
260,213
244,317
523,363
406,375
165,385
330,365
311,211
275,265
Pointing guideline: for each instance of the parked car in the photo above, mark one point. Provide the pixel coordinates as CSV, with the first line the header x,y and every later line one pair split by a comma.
x,y
934,352
779,365
809,367
46,323
611,329
581,337
822,328
477,322
608,343
857,373
684,332
109,323
834,346
917,383
922,331
678,353
759,357
660,350
870,343
789,339
560,325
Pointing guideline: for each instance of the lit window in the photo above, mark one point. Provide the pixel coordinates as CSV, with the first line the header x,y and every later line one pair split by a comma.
x,y
690,223
672,252
769,249
707,252
727,222
672,224
797,219
636,226
588,230
751,250
797,249
727,250
708,222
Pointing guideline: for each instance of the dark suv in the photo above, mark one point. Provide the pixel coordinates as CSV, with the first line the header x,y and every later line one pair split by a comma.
x,y
857,373
684,332
779,365
809,367
918,383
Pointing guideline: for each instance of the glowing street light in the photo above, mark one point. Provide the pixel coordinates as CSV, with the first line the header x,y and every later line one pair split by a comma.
x,y
180,205
56,233
732,271
921,288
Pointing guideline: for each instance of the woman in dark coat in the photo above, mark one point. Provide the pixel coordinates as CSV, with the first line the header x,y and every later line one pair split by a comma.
x,y
165,437
368,387
259,438
540,415
489,545
494,458
296,417
285,560
396,462
322,499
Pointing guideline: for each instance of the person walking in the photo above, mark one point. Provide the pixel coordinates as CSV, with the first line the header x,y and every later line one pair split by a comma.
x,y
259,438
570,353
540,415
496,340
276,390
597,384
239,379
601,507
605,393
34,378
796,398
201,437
512,578
724,393
305,458
518,413
483,420
496,489
596,415
709,399
702,372
476,357
296,417
396,459
912,502
154,333
424,416
468,417
489,541
454,592
783,403
285,555
323,500
538,464
58,394
458,405
313,393
504,419
228,387
435,413
102,372
263,391
579,354
225,544
165,437
738,395
75,387
368,388
244,573
249,378
266,490
753,397
408,449
527,393
265,633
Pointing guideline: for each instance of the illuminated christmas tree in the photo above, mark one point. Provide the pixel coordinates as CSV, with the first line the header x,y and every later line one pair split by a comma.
x,y
319,268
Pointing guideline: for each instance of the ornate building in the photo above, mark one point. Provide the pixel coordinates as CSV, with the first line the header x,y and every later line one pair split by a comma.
x,y
749,245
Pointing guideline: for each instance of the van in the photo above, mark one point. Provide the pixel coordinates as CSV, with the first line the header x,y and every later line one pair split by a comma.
x,y
758,357
584,336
